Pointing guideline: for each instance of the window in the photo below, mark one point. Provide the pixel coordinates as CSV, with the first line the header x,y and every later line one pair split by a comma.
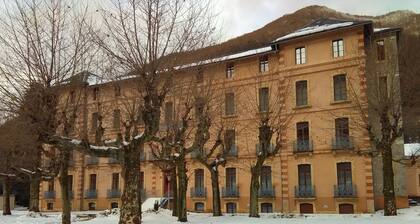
x,y
91,206
114,205
230,139
115,185
199,207
301,93
169,112
117,119
263,99
142,180
300,55
230,178
199,179
50,206
265,178
230,207
230,68
344,174
340,88
264,64
92,182
302,129
199,76
95,119
266,208
95,94
70,182
342,128
380,49
230,103
51,185
117,90
383,87
338,48
304,172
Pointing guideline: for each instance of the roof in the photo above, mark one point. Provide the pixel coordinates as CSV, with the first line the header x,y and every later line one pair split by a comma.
x,y
319,26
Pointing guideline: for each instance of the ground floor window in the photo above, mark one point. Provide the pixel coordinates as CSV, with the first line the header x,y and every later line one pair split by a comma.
x,y
92,206
114,205
199,207
266,208
50,206
306,208
345,209
230,207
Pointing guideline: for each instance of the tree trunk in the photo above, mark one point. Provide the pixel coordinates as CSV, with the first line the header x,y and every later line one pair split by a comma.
x,y
64,186
6,196
182,190
174,188
253,191
34,194
390,208
130,212
217,210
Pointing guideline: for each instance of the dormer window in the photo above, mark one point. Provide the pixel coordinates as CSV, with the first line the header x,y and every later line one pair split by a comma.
x,y
229,70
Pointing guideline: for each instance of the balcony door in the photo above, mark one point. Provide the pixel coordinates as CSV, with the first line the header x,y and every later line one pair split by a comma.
x,y
115,181
344,178
199,179
92,182
304,171
265,179
230,178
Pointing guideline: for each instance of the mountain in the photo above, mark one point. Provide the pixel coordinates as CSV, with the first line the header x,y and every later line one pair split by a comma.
x,y
408,20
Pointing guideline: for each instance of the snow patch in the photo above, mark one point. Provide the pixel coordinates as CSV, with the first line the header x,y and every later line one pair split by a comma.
x,y
313,29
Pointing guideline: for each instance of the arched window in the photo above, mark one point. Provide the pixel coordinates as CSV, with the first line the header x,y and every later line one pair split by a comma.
x,y
230,207
266,208
306,208
92,206
114,205
345,209
199,207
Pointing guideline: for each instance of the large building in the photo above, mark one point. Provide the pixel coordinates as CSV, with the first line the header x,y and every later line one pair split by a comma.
x,y
321,167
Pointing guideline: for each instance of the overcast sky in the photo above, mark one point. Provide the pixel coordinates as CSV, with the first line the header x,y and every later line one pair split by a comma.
x,y
242,16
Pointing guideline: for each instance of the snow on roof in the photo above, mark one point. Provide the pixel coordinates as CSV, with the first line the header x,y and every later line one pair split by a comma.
x,y
316,27
380,29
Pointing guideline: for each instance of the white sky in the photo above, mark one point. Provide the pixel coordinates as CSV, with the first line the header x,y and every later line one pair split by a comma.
x,y
242,16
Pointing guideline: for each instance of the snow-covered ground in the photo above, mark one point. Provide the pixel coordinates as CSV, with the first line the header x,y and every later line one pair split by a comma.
x,y
410,215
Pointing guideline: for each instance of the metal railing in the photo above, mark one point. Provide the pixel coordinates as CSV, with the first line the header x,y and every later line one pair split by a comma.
x,y
304,191
91,194
114,193
230,192
198,192
342,143
92,160
302,146
345,190
267,192
49,194
233,151
258,149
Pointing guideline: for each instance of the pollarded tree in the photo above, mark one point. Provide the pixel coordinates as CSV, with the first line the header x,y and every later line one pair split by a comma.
x,y
144,37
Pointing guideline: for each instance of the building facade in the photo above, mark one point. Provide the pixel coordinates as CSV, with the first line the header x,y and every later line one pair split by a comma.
x,y
317,73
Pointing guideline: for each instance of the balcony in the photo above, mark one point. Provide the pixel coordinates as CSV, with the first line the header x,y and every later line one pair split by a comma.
x,y
198,192
92,160
230,192
342,143
304,191
49,194
113,160
267,192
114,193
91,194
259,151
232,152
345,191
302,146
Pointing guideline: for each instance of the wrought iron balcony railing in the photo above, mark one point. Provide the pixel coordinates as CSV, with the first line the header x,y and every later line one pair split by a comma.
x,y
91,194
49,194
198,192
230,192
305,145
267,192
92,160
304,191
232,152
258,148
114,193
342,143
345,190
